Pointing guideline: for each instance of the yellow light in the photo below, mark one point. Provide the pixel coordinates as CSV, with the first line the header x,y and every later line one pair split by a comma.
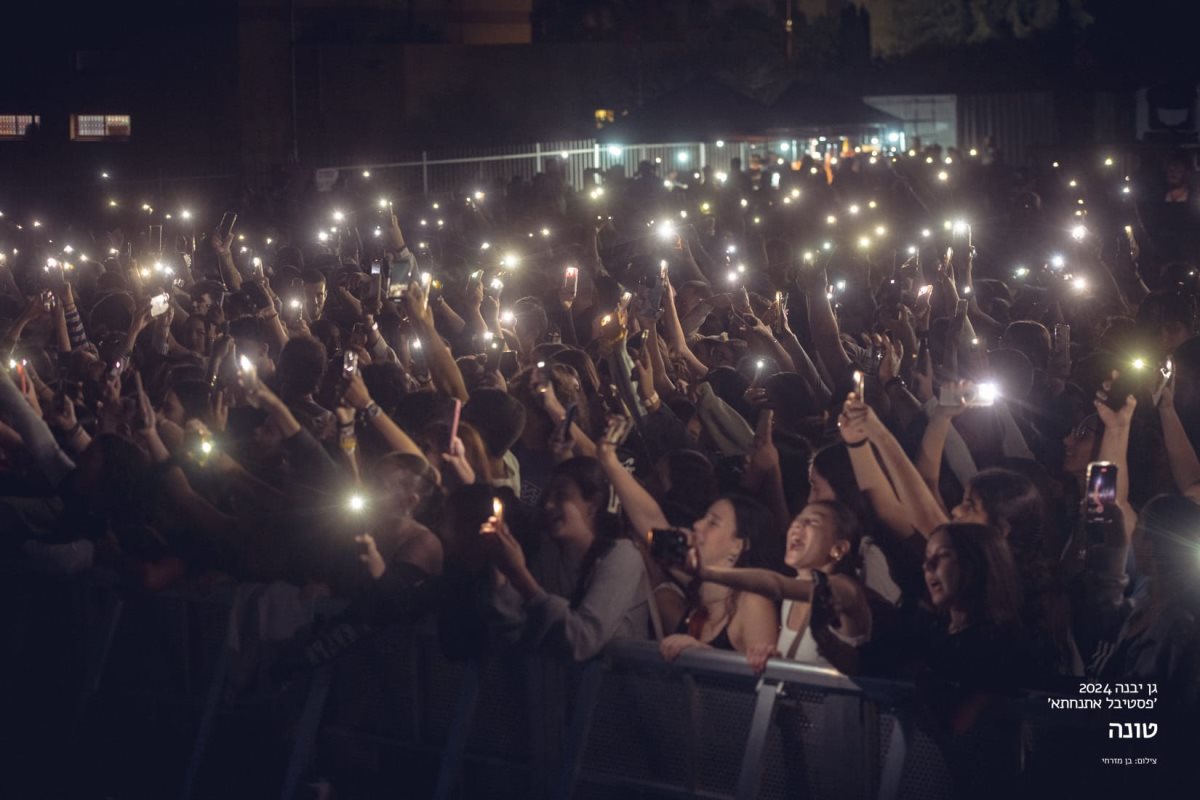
x,y
545,232
366,173
795,192
1108,162
356,503
928,159
864,242
745,202
872,204
479,195
112,203
974,152
1080,284
206,447
831,220
853,209
1078,232
926,233
1139,363
880,230
943,176
1055,165
1072,183
705,207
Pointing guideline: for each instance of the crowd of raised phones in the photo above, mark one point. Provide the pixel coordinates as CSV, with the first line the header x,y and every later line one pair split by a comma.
x,y
851,413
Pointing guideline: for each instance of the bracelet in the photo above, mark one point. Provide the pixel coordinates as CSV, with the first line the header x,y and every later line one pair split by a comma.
x,y
859,443
893,382
652,402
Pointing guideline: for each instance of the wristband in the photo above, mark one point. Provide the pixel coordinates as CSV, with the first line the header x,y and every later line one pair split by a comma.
x,y
373,410
893,382
859,443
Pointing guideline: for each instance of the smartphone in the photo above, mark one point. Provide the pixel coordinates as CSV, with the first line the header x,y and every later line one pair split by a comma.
x,y
571,281
257,265
293,310
925,290
376,267
49,301
981,395
650,290
159,304
228,219
403,272
349,365
247,373
961,311
154,238
473,280
1101,493
1062,337
669,546
492,360
508,364
116,369
860,385
564,428
636,343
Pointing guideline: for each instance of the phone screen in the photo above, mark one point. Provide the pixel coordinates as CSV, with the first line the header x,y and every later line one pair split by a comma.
x,y
349,364
1101,489
159,304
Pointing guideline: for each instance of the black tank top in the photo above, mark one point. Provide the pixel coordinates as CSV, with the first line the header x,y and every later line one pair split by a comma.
x,y
719,642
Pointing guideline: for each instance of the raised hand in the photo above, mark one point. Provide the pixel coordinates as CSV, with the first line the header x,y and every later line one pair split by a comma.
x,y
1119,418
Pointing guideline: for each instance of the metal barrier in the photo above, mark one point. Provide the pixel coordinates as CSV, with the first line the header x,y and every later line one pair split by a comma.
x,y
624,724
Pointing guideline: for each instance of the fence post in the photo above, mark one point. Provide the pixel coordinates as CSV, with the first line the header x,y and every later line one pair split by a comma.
x,y
750,774
537,155
424,172
596,155
703,155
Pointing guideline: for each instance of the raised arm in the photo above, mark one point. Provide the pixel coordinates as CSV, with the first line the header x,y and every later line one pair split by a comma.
x,y
640,506
870,477
443,369
1114,447
921,505
1185,466
357,397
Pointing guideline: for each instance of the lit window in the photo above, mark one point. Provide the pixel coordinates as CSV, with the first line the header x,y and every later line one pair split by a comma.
x,y
16,126
95,127
604,116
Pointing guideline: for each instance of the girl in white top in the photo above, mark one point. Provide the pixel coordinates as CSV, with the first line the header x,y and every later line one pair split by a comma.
x,y
825,606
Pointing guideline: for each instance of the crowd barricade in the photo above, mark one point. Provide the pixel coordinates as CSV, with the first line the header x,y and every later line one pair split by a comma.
x,y
517,725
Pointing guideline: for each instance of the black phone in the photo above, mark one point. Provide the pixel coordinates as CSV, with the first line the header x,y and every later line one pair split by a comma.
x,y
563,433
636,343
669,546
492,360
508,364
228,220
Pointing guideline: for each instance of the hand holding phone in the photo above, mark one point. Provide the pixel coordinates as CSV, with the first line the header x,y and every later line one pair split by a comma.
x,y
669,546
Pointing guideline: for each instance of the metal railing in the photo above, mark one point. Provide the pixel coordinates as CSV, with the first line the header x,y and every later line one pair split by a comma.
x,y
627,722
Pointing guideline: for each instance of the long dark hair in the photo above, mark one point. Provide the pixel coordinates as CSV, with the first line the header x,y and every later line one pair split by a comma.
x,y
588,476
989,589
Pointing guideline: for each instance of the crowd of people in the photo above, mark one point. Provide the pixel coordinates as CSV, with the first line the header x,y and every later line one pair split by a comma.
x,y
844,411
